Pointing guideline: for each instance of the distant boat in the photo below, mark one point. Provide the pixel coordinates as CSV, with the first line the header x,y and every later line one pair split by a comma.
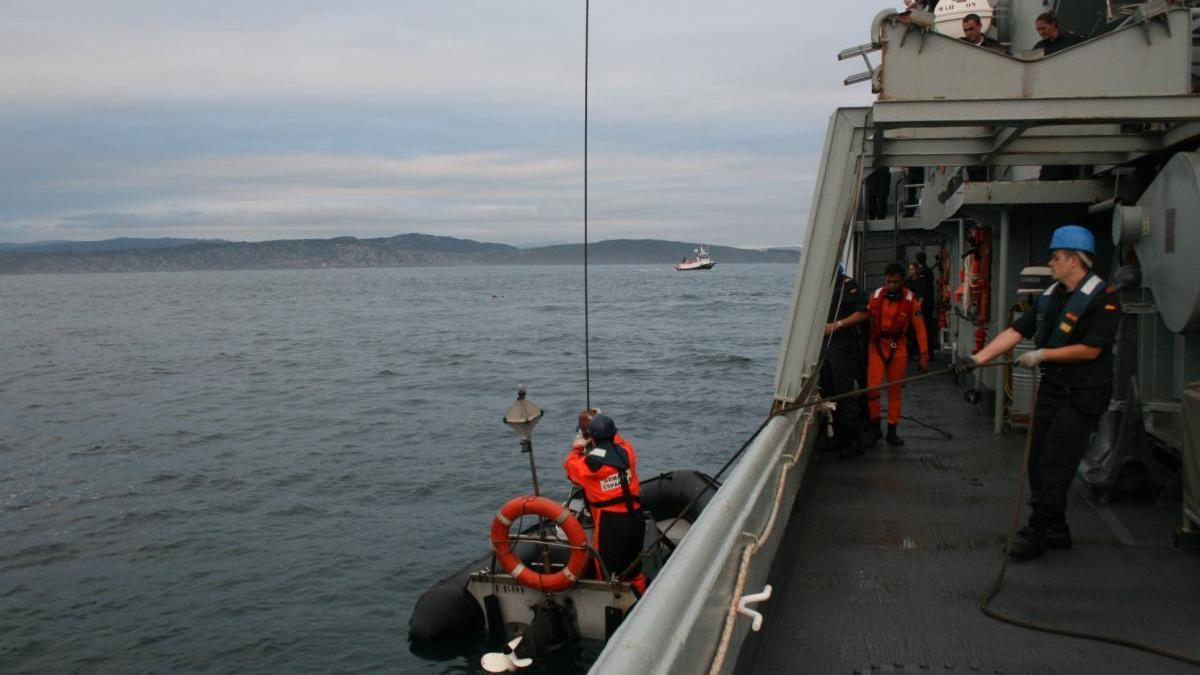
x,y
700,262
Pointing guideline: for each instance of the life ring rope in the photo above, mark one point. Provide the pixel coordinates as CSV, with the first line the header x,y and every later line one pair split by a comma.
x,y
549,510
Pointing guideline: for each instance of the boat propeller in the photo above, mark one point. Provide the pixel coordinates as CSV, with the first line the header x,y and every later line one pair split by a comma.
x,y
506,661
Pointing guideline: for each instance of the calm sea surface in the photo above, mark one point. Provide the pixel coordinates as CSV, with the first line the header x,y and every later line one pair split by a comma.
x,y
260,472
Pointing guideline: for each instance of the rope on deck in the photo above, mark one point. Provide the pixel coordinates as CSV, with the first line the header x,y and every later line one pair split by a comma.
x,y
1047,628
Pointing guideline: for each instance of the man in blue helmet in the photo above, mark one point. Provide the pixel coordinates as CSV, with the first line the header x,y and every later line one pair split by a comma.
x,y
1073,325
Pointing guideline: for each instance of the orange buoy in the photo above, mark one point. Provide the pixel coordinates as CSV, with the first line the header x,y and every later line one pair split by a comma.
x,y
540,506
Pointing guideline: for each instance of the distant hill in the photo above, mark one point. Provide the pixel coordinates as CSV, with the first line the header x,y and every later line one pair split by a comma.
x,y
405,250
646,251
118,244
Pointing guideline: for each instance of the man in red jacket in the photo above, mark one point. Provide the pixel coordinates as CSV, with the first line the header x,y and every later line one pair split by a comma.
x,y
605,466
893,308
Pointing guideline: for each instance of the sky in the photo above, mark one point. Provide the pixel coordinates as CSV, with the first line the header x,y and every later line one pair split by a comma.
x,y
255,120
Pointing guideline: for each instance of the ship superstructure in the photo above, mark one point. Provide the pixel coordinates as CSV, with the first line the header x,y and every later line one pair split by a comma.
x,y
985,154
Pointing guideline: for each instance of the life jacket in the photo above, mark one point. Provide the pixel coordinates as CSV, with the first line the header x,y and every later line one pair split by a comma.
x,y
1059,335
618,458
900,320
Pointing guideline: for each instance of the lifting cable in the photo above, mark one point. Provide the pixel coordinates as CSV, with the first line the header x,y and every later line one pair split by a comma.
x,y
1042,627
587,357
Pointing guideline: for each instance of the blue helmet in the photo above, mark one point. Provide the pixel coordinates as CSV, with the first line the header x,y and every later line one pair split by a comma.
x,y
1075,238
602,428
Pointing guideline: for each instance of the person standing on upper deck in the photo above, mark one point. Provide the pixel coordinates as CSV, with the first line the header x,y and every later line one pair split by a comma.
x,y
972,27
1073,325
892,308
1053,38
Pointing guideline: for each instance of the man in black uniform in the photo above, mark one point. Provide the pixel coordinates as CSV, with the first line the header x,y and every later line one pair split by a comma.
x,y
925,288
842,356
1053,38
1073,325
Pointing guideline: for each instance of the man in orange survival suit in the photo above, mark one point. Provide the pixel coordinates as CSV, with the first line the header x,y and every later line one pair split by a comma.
x,y
893,308
605,466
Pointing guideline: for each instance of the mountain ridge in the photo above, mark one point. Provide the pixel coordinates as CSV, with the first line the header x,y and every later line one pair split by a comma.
x,y
404,250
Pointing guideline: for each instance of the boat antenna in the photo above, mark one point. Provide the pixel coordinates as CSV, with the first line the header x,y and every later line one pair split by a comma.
x,y
587,357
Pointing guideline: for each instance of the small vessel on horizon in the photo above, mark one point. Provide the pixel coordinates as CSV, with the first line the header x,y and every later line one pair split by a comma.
x,y
701,262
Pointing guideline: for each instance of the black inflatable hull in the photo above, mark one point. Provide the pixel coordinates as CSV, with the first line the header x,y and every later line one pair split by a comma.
x,y
447,611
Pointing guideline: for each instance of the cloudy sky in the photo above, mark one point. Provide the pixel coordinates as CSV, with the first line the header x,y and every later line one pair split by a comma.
x,y
269,120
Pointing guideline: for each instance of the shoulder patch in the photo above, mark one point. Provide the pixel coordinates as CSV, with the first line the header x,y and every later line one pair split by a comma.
x,y
1090,285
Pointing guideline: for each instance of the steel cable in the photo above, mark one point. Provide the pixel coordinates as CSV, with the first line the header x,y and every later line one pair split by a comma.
x,y
587,356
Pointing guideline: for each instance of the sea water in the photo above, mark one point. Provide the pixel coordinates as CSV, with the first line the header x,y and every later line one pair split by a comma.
x,y
260,472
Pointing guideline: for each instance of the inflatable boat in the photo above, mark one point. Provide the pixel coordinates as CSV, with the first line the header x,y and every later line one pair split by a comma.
x,y
526,587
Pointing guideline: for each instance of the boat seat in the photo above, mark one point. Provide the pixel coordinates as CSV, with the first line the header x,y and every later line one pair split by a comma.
x,y
676,532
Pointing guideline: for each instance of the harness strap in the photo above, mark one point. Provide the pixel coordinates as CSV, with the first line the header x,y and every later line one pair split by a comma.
x,y
887,360
900,320
1077,304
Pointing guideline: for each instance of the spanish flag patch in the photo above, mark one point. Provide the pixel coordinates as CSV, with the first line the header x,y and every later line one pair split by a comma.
x,y
1111,308
1065,327
1071,316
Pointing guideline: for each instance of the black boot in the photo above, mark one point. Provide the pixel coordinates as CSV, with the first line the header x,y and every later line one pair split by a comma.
x,y
852,448
892,438
871,435
1029,543
1057,535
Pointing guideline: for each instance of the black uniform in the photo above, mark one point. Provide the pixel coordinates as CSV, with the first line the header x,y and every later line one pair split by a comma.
x,y
1071,397
843,358
922,285
1052,45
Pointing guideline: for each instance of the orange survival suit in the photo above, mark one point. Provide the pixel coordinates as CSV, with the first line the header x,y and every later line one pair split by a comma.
x,y
612,495
888,350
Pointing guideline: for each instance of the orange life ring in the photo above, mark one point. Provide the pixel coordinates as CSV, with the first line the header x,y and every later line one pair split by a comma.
x,y
501,544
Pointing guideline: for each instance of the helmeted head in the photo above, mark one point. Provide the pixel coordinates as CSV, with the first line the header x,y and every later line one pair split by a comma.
x,y
1070,246
602,430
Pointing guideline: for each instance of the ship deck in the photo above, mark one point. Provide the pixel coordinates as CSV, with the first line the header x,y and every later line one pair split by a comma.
x,y
887,556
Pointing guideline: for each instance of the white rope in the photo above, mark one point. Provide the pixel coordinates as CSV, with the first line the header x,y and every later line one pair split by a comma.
x,y
752,548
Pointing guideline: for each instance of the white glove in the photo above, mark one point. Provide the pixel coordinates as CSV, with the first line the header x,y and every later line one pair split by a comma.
x,y
1032,359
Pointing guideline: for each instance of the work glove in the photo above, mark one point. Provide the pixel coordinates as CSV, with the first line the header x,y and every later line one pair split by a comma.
x,y
923,364
1032,359
963,367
